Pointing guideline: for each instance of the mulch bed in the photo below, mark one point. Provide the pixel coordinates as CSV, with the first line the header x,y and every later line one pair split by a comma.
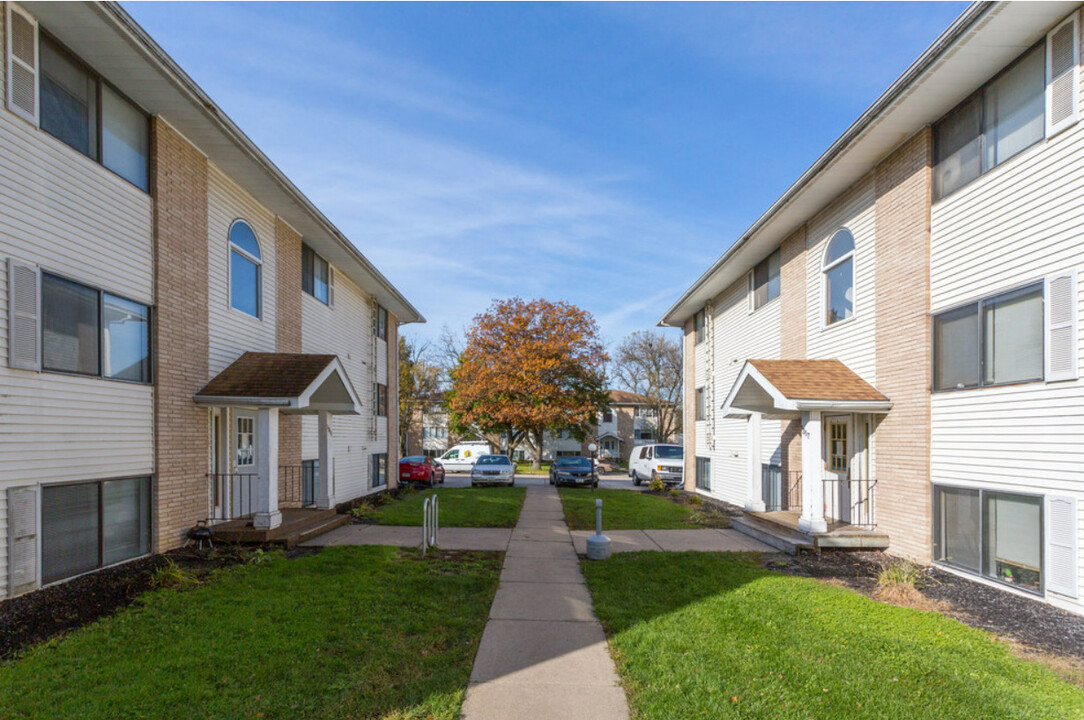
x,y
1033,624
38,616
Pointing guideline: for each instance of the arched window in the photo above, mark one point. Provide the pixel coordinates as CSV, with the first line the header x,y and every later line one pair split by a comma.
x,y
245,266
838,272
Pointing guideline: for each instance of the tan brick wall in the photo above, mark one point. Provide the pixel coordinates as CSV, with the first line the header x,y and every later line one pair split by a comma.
x,y
688,421
288,339
179,185
792,332
626,428
393,400
902,439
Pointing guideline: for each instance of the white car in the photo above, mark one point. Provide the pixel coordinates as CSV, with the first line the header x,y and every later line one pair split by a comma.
x,y
657,462
493,470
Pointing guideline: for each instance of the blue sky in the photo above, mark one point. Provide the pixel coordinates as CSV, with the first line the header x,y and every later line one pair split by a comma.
x,y
603,154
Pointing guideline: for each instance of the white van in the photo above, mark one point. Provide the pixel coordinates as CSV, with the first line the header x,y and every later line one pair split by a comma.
x,y
461,457
657,462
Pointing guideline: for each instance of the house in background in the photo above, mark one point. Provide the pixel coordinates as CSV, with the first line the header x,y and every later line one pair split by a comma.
x,y
890,355
629,422
186,338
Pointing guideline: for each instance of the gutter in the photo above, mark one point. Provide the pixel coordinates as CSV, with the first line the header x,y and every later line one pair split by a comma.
x,y
187,86
959,26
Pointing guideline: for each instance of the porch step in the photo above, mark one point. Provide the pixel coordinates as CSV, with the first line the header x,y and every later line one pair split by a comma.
x,y
852,540
325,527
777,536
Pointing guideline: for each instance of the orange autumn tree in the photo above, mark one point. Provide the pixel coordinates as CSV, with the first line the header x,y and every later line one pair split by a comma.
x,y
529,366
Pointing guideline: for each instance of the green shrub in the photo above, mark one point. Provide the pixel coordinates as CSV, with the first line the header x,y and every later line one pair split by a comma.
x,y
656,485
171,575
898,572
695,500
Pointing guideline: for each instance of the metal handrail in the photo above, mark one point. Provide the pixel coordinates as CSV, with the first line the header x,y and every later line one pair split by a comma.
x,y
430,523
232,495
851,501
780,490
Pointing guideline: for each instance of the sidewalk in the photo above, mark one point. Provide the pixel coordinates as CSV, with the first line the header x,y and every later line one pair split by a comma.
x,y
543,654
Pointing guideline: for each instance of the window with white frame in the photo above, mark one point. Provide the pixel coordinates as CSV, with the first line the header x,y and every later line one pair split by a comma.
x,y
766,280
379,469
838,273
698,325
245,443
701,408
246,266
703,473
380,327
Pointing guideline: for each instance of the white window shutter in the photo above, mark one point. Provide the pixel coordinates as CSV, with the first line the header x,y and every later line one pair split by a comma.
x,y
22,52
1062,61
1061,327
1061,545
330,286
22,539
24,316
751,286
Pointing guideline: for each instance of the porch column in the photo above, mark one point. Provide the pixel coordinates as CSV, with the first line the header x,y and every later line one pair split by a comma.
x,y
267,463
812,519
755,497
325,498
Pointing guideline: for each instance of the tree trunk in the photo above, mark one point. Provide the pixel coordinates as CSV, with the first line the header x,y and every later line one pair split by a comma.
x,y
537,463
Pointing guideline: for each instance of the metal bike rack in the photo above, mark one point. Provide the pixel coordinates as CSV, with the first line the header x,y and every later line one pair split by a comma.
x,y
430,523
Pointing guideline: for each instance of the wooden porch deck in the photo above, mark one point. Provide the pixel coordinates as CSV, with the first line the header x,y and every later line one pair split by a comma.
x,y
780,529
298,525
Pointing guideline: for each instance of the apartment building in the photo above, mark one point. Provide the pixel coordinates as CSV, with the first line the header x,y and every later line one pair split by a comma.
x,y
187,338
889,356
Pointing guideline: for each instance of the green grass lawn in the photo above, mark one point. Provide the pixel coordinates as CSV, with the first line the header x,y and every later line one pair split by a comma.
x,y
459,507
704,635
352,632
524,468
625,510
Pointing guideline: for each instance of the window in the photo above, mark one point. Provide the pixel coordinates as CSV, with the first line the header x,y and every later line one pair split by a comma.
x,y
766,280
380,469
314,274
90,332
310,473
381,325
998,535
81,110
703,473
381,393
698,324
995,341
608,416
90,525
245,442
701,408
838,271
245,267
1003,118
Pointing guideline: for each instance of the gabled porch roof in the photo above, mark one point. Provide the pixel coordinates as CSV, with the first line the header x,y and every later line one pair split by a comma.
x,y
292,382
785,388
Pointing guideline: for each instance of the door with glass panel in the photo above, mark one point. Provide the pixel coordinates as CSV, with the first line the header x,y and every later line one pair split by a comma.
x,y
838,451
243,480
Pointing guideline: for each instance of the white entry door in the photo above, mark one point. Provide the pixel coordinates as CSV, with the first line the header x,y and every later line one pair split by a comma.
x,y
838,453
245,449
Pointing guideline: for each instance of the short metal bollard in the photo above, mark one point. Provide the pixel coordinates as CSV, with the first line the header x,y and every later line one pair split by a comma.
x,y
599,546
430,523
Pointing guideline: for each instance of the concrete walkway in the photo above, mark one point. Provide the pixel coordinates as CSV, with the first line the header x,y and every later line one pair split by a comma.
x,y
543,654
704,539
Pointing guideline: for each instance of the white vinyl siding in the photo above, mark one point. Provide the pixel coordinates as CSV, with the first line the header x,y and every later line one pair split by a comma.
x,y
1017,224
852,340
69,215
231,331
345,330
736,335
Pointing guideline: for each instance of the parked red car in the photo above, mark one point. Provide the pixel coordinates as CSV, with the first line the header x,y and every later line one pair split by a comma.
x,y
419,468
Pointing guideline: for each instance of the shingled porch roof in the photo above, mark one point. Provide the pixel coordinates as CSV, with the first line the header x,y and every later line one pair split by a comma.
x,y
784,388
293,382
